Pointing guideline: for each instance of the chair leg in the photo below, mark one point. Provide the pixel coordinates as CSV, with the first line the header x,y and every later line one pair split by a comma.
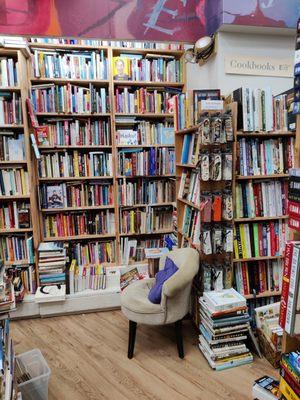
x,y
178,330
131,340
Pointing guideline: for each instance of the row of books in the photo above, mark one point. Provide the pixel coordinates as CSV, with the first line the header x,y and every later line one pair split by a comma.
x,y
289,318
264,239
14,181
70,65
152,68
224,328
133,250
93,252
86,223
147,133
284,119
146,192
135,162
289,384
8,72
16,248
265,157
84,277
24,280
144,100
258,277
190,149
294,198
52,259
15,215
75,132
69,98
10,108
76,195
75,164
113,43
151,220
255,109
189,188
191,224
182,116
12,147
262,199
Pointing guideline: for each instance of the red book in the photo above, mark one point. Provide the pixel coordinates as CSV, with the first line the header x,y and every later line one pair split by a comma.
x,y
245,280
294,223
285,373
260,200
285,283
256,200
273,239
294,209
262,276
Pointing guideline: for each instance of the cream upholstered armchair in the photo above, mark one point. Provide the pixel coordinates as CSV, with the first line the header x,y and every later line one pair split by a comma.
x,y
175,298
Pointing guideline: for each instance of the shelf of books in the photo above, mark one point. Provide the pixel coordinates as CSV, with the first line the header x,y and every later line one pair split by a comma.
x,y
105,166
18,210
265,152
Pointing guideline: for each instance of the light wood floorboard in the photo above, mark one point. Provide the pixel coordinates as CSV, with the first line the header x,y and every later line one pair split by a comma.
x,y
88,358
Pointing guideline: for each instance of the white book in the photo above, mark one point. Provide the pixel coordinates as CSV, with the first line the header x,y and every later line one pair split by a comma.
x,y
294,284
50,294
224,300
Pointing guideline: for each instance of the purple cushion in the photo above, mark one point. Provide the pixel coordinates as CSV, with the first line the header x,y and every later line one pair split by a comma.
x,y
160,278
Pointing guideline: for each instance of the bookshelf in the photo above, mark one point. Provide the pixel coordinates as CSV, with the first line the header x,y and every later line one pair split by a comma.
x,y
20,200
44,80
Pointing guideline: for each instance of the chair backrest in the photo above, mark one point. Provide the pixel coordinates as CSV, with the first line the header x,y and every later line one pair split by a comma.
x,y
176,290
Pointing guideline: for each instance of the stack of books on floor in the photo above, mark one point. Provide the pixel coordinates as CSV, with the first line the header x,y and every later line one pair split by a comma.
x,y
224,325
265,388
52,263
290,376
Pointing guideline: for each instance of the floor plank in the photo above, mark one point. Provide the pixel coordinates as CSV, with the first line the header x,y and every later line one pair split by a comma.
x,y
88,358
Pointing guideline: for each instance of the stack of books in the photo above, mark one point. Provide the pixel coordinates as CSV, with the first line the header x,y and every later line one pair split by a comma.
x,y
265,388
52,263
223,329
290,376
294,198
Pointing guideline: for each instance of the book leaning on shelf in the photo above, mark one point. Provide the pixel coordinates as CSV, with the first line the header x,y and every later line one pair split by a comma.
x,y
76,195
87,65
51,98
260,239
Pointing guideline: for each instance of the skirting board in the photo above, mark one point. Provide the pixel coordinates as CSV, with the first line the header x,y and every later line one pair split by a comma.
x,y
72,305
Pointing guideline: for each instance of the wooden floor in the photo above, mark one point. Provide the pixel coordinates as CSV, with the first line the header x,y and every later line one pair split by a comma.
x,y
87,356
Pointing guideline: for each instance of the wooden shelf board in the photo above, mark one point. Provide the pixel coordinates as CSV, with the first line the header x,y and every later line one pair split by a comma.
x,y
76,147
10,88
85,82
187,130
186,165
20,262
79,208
235,260
10,231
133,146
78,178
261,295
147,83
12,126
62,115
150,205
244,220
161,232
190,204
273,176
145,176
265,134
23,162
15,197
146,51
146,115
61,46
79,237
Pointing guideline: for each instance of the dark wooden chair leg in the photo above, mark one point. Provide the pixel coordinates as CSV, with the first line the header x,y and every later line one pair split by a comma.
x,y
178,329
131,340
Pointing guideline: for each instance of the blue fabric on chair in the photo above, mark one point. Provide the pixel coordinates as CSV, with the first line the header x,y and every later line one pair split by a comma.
x,y
161,277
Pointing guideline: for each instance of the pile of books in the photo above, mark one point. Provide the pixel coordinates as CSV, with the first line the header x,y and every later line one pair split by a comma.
x,y
52,263
266,388
289,385
223,329
294,198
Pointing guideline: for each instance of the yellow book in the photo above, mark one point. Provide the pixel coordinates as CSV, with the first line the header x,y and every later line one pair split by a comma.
x,y
243,240
287,391
235,244
75,163
72,266
233,358
23,182
132,222
109,251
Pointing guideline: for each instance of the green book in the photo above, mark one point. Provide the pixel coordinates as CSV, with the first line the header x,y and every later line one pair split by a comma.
x,y
256,239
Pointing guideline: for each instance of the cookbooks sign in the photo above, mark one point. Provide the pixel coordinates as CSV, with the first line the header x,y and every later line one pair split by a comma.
x,y
252,65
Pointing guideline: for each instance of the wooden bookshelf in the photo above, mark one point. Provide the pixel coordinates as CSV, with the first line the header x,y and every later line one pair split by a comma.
x,y
257,219
265,135
252,177
262,295
262,258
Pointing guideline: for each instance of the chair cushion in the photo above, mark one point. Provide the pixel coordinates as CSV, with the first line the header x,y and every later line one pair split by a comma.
x,y
136,305
161,277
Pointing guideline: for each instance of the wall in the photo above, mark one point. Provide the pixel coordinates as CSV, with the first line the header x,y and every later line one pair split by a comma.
x,y
212,75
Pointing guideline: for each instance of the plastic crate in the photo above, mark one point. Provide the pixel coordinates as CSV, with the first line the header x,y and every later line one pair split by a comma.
x,y
37,387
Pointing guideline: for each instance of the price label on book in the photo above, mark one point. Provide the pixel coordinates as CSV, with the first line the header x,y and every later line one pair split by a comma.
x,y
211,105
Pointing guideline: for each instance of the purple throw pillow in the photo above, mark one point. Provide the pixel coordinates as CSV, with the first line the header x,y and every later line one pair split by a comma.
x,y
160,278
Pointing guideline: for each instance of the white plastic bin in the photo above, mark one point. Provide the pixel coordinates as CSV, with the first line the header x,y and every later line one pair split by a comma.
x,y
37,387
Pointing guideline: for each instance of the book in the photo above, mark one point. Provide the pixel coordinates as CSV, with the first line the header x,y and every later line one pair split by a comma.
x,y
133,250
266,388
49,294
292,322
287,391
226,299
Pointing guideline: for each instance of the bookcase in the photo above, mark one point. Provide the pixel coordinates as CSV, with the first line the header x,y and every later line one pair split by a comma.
x,y
107,146
19,233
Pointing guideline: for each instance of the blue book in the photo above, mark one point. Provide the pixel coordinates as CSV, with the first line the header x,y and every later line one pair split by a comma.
x,y
186,148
